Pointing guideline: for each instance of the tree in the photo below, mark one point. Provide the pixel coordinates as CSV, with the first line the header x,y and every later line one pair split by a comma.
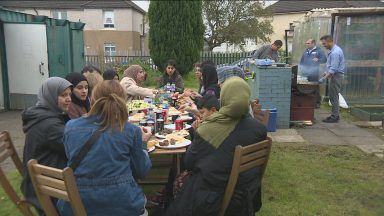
x,y
234,22
176,31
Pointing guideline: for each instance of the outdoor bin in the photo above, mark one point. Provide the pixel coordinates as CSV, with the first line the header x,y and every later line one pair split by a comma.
x,y
272,122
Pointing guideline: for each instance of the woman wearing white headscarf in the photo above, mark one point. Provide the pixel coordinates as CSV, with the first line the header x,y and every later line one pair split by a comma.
x,y
43,125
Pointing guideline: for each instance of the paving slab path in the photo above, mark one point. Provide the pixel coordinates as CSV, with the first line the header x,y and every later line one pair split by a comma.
x,y
11,121
342,133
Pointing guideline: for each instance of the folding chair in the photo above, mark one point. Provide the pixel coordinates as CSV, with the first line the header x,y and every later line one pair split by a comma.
x,y
7,150
51,182
246,158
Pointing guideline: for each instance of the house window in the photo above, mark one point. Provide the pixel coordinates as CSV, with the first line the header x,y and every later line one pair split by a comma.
x,y
109,49
109,19
59,14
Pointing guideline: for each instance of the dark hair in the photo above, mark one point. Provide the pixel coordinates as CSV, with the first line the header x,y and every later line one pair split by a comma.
x,y
327,37
278,43
197,64
208,62
109,74
209,73
171,62
90,68
75,79
208,102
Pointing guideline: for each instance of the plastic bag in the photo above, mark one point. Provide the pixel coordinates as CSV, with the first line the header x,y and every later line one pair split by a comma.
x,y
342,102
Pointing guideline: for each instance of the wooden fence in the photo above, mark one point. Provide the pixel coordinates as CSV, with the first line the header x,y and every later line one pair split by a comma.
x,y
102,60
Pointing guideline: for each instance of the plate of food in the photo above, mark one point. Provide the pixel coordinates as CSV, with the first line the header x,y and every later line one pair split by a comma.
x,y
185,117
151,149
136,105
172,126
173,142
151,145
136,117
164,133
173,111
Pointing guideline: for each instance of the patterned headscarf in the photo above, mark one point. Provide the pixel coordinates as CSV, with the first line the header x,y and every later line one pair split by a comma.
x,y
226,72
132,72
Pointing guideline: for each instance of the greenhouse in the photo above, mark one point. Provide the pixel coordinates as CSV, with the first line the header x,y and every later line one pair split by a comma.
x,y
360,33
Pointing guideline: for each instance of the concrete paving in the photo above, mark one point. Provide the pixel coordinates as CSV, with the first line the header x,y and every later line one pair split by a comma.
x,y
342,133
286,136
11,121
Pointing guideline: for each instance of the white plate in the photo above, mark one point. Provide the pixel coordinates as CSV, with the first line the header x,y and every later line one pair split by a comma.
x,y
185,117
151,149
163,136
177,145
159,136
172,126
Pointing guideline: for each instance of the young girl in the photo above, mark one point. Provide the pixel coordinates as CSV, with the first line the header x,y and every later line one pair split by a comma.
x,y
106,176
80,102
172,76
210,80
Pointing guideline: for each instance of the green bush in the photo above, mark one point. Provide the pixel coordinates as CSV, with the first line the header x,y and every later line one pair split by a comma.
x,y
176,32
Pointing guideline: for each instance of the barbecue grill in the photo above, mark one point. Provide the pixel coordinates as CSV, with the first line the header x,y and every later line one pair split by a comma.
x,y
303,98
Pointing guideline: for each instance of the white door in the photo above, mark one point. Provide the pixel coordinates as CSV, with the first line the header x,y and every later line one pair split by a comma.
x,y
27,61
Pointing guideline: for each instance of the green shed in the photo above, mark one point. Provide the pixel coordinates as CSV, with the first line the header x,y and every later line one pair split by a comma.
x,y
33,48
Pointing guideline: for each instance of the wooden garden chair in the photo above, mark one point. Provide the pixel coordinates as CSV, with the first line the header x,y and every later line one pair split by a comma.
x,y
51,182
246,158
7,150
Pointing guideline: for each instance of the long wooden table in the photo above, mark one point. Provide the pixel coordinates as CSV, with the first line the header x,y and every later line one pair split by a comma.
x,y
175,152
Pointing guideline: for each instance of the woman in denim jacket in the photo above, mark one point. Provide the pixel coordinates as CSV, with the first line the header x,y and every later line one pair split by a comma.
x,y
106,176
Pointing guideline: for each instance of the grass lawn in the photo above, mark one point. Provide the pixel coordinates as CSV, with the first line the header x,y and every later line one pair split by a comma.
x,y
304,179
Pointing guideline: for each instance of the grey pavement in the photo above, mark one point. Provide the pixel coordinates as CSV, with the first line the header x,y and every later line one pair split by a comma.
x,y
11,121
342,133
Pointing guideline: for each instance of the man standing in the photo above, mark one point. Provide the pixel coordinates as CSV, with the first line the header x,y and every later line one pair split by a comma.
x,y
269,51
310,63
334,72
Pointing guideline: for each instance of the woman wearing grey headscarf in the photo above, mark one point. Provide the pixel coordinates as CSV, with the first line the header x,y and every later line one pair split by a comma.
x,y
43,125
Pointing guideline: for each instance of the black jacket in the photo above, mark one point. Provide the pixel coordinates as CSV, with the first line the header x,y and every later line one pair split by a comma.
x,y
44,132
203,191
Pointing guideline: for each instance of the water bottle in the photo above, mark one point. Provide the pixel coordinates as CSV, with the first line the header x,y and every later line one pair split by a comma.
x,y
167,87
322,79
173,87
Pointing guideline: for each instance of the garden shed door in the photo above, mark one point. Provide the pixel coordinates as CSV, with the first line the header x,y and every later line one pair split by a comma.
x,y
27,62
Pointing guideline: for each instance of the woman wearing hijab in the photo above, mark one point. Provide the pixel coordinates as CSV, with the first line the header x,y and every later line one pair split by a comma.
x,y
210,158
80,101
106,176
134,76
43,125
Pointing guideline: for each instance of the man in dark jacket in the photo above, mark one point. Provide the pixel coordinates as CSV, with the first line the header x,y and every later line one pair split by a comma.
x,y
210,158
310,62
43,126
